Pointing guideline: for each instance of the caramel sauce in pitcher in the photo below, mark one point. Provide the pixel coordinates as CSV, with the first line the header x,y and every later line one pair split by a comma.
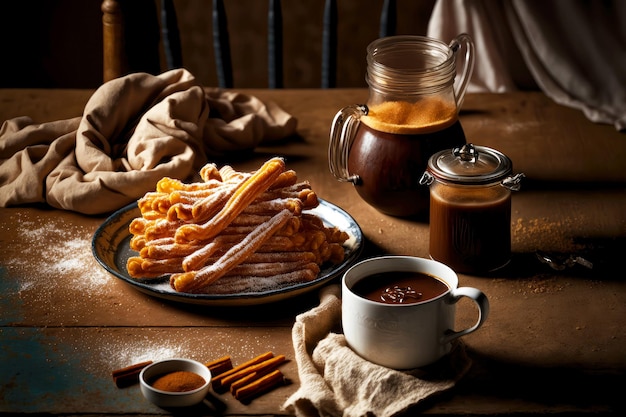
x,y
391,149
404,118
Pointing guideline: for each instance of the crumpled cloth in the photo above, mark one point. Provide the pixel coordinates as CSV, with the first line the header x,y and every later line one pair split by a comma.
x,y
134,131
572,50
335,381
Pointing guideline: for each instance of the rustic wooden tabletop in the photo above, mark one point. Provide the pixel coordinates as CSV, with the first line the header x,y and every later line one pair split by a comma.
x,y
554,341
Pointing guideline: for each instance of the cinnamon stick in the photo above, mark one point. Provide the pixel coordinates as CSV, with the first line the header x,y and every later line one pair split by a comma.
x,y
260,386
246,380
217,381
129,375
263,367
219,366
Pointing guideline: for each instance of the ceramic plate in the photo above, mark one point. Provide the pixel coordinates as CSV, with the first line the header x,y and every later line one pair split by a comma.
x,y
110,246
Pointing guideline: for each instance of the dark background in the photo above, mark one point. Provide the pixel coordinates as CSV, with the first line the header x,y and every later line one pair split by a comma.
x,y
58,43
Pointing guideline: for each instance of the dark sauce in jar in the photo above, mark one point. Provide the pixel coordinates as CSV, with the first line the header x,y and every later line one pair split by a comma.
x,y
470,208
471,236
400,287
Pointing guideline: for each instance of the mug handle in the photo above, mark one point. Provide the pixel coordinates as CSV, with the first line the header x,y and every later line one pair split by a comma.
x,y
483,310
342,133
468,65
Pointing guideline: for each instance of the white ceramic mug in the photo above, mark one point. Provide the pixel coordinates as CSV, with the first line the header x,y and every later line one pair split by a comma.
x,y
405,336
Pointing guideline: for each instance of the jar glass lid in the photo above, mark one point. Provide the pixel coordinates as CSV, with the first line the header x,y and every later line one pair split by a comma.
x,y
470,164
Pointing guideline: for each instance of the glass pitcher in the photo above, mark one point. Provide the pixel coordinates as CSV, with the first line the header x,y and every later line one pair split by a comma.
x,y
383,146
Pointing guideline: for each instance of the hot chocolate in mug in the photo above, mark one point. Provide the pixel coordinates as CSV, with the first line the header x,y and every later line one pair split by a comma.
x,y
399,311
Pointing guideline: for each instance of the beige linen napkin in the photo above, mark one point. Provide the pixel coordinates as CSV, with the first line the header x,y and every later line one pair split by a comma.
x,y
134,130
335,381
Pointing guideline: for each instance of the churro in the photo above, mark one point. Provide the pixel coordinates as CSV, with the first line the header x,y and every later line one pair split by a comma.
x,y
194,281
210,205
243,196
153,268
241,284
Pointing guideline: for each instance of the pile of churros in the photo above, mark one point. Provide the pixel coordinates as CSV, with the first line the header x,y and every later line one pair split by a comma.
x,y
232,232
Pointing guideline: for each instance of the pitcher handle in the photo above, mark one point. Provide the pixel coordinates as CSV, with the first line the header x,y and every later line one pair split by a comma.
x,y
342,133
468,65
481,301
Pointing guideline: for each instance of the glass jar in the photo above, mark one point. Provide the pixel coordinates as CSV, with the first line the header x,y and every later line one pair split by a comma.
x,y
470,207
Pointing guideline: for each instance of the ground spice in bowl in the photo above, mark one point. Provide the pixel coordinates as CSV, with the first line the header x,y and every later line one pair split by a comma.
x,y
178,381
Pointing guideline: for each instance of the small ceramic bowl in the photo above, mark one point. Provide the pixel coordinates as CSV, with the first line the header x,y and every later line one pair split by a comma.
x,y
167,399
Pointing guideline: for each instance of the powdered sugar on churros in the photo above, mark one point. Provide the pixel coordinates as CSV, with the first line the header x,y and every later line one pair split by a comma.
x,y
256,238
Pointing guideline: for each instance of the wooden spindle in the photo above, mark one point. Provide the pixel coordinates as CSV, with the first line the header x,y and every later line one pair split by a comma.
x,y
115,63
329,45
170,35
388,17
221,45
275,44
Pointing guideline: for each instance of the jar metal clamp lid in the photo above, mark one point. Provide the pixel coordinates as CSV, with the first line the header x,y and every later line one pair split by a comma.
x,y
471,165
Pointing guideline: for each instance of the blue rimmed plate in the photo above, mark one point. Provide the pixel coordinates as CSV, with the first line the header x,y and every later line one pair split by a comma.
x,y
111,248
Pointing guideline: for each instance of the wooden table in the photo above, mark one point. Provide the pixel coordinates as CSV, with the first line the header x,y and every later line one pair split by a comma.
x,y
554,342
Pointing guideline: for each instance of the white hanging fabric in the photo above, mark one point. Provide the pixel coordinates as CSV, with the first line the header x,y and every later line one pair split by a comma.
x,y
573,50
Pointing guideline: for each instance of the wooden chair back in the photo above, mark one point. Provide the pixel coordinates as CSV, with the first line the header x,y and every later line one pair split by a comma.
x,y
116,24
